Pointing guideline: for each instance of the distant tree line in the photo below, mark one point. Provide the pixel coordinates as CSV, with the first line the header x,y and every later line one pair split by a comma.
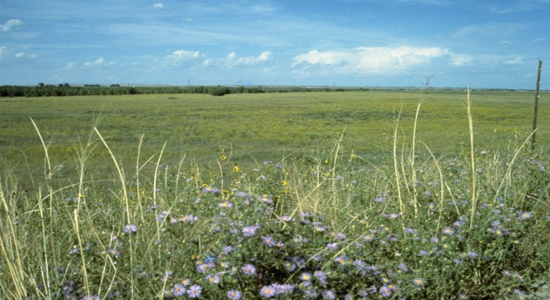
x,y
64,89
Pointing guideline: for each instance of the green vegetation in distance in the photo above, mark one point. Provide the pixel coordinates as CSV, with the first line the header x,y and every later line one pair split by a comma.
x,y
260,127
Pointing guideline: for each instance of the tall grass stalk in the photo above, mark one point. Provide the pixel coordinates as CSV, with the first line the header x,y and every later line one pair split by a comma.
x,y
126,201
473,170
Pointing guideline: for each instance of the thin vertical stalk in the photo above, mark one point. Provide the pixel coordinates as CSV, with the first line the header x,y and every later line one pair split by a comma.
x,y
472,160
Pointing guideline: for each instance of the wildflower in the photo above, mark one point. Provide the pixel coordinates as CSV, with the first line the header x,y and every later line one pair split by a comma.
x,y
289,266
410,231
194,291
332,246
91,298
385,291
328,295
225,204
188,219
185,282
448,231
234,295
520,295
265,199
368,238
268,291
305,276
379,199
462,296
320,275
403,267
178,290
284,288
418,282
423,253
248,269
268,241
114,253
249,230
213,279
210,190
359,264
74,250
374,270
525,215
286,218
202,268
340,260
394,216
130,228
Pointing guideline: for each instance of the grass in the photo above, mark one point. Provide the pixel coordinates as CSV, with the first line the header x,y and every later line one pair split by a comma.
x,y
259,126
329,221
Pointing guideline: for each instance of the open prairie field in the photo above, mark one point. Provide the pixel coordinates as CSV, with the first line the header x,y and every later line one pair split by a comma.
x,y
260,127
278,195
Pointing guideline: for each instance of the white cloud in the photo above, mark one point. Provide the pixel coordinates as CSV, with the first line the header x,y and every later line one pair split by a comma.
x,y
377,60
183,55
19,55
516,61
70,65
11,24
158,6
97,62
2,50
461,59
232,60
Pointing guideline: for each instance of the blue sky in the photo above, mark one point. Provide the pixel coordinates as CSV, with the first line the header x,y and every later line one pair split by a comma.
x,y
458,43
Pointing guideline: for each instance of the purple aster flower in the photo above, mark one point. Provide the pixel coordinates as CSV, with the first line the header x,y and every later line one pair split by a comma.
x,y
340,260
332,246
178,290
130,228
368,238
305,276
268,241
320,275
249,230
265,199
526,215
374,270
194,291
418,282
114,253
213,279
410,231
210,190
403,267
202,268
225,204
328,295
268,291
248,269
91,298
234,295
289,266
385,291
448,231
359,264
423,253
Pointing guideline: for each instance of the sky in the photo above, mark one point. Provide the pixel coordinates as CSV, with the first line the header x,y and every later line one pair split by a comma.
x,y
397,43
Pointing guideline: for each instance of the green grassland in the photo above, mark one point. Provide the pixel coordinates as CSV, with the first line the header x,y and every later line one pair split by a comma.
x,y
262,126
330,195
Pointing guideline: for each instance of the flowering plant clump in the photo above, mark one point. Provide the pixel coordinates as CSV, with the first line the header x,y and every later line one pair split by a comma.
x,y
324,228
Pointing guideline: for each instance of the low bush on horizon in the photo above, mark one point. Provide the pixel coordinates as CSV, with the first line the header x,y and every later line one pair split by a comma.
x,y
323,225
